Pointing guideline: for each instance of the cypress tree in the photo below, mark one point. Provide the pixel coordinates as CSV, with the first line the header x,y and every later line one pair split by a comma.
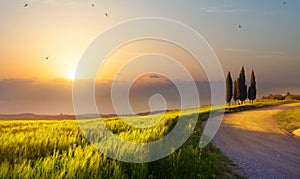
x,y
242,87
228,88
238,93
235,91
252,88
245,93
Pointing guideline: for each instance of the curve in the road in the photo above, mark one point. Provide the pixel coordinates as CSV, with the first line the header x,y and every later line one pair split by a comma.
x,y
258,146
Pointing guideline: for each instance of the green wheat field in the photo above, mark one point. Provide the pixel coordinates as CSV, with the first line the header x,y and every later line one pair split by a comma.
x,y
58,149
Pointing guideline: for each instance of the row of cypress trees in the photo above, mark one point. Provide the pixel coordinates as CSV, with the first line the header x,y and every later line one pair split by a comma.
x,y
238,89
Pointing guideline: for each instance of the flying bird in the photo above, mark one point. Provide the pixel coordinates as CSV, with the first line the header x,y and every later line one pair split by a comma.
x,y
25,5
93,5
106,14
284,2
47,58
240,26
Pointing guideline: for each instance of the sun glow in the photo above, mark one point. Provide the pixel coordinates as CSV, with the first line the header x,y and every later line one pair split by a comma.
x,y
71,74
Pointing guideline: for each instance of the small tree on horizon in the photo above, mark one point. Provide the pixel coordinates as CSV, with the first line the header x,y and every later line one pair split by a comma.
x,y
252,88
228,88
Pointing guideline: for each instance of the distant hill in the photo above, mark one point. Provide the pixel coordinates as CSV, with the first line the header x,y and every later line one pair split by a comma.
x,y
287,96
29,116
35,116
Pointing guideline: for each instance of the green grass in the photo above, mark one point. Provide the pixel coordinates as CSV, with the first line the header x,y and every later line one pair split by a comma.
x,y
289,119
58,149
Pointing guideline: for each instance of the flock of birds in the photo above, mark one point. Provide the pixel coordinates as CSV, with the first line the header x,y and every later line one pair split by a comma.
x,y
93,5
106,14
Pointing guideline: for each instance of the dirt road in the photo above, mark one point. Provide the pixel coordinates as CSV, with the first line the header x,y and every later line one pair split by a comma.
x,y
261,149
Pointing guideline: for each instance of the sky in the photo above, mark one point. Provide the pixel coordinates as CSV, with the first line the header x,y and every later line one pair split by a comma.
x,y
268,43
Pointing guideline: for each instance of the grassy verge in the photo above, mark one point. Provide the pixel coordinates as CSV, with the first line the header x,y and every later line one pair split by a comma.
x,y
205,111
259,104
289,120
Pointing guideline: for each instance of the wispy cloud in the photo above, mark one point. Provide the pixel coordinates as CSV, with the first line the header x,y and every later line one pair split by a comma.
x,y
222,10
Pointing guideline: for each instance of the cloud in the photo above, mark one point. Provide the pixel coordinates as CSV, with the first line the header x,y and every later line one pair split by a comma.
x,y
32,95
55,96
209,10
222,10
30,89
141,93
155,76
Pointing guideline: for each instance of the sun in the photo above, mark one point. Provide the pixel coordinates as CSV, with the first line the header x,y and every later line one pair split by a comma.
x,y
71,74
